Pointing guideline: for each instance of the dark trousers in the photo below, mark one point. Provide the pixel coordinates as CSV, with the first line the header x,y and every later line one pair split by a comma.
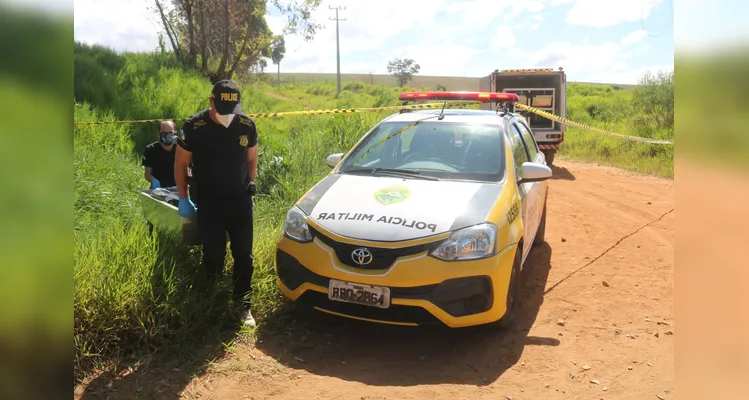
x,y
216,217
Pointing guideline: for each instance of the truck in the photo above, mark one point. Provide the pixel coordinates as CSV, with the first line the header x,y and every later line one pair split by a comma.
x,y
541,88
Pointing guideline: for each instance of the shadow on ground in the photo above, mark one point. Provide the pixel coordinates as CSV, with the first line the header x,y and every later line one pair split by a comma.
x,y
356,351
561,173
165,372
376,354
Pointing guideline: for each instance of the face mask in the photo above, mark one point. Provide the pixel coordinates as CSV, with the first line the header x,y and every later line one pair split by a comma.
x,y
167,138
225,119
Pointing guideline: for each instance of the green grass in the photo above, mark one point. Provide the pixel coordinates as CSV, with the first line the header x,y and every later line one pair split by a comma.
x,y
604,107
646,158
321,95
137,293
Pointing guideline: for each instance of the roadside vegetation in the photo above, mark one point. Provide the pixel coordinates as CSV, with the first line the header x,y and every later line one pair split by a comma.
x,y
136,293
646,111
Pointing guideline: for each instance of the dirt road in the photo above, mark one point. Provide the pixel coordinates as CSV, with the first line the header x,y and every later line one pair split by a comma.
x,y
595,321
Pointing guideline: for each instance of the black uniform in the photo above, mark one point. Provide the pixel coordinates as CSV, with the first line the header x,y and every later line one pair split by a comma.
x,y
161,163
220,172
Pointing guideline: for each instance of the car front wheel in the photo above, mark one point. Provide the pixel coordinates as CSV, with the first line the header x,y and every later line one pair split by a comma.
x,y
512,292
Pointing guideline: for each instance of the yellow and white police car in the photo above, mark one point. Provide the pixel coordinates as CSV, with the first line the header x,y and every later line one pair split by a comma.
x,y
428,219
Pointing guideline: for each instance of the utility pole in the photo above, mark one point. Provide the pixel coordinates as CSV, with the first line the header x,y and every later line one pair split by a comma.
x,y
337,48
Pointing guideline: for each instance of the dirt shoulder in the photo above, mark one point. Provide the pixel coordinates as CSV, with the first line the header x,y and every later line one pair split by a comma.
x,y
595,322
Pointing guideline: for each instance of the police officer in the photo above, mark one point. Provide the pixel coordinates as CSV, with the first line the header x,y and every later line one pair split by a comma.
x,y
221,143
158,158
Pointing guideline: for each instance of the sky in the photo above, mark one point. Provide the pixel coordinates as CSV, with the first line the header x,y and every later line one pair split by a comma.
x,y
612,41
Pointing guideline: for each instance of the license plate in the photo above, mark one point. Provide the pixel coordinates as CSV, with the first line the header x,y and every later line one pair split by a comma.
x,y
374,296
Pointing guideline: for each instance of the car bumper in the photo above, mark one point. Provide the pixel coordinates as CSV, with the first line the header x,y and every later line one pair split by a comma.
x,y
423,289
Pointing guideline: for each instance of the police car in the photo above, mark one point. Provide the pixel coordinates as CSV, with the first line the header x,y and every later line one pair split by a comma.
x,y
428,219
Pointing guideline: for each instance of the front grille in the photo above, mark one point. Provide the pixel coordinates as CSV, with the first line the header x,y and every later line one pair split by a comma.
x,y
381,258
293,274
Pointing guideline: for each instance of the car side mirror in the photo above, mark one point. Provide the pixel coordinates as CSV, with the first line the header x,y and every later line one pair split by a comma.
x,y
534,172
333,159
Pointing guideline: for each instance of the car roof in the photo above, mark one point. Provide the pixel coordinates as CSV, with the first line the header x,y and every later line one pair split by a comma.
x,y
452,115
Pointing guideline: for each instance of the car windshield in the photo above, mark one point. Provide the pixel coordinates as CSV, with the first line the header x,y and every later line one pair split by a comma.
x,y
439,149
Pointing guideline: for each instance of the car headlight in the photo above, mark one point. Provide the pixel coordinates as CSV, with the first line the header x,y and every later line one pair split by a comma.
x,y
296,226
468,244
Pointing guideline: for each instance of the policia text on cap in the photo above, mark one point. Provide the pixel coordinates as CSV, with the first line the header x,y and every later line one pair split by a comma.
x,y
221,142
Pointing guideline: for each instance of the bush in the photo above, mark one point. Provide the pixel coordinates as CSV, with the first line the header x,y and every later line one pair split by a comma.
x,y
353,86
319,90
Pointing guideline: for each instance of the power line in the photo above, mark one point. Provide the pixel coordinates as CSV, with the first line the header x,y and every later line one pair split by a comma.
x,y
337,47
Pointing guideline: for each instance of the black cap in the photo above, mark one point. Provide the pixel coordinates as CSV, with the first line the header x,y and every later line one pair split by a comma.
x,y
226,97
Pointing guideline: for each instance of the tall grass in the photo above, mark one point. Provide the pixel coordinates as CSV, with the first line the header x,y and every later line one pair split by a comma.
x,y
138,292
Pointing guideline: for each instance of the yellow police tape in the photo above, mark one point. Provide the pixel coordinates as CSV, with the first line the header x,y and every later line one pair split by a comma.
x,y
300,113
542,113
590,128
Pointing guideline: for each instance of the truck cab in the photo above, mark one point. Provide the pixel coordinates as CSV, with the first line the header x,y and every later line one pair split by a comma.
x,y
541,88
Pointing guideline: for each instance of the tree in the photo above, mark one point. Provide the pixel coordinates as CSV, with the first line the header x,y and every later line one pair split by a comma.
x,y
203,36
299,17
655,98
169,28
277,51
229,35
261,65
226,13
403,70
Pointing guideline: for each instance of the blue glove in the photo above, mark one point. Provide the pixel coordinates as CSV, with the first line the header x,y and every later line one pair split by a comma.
x,y
186,207
155,183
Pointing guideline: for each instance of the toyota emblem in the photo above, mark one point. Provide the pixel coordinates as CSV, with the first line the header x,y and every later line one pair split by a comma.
x,y
361,256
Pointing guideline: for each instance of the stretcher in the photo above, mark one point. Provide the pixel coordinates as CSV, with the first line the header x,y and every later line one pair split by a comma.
x,y
160,208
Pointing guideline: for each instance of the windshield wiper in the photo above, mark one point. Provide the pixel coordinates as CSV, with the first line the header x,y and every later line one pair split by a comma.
x,y
402,173
357,170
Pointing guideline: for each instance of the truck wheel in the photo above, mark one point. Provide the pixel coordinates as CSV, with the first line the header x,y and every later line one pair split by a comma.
x,y
549,154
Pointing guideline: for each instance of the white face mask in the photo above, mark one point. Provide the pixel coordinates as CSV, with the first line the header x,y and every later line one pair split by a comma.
x,y
225,119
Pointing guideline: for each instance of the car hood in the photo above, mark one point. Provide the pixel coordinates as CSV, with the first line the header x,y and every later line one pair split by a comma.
x,y
394,209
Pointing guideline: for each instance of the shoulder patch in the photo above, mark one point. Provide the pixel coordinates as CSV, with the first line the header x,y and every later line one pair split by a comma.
x,y
197,120
243,141
198,123
246,120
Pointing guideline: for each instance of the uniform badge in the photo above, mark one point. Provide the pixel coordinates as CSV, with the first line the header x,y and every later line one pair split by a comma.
x,y
243,141
392,195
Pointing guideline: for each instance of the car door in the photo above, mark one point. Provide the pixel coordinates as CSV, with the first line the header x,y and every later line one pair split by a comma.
x,y
532,203
535,155
525,190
